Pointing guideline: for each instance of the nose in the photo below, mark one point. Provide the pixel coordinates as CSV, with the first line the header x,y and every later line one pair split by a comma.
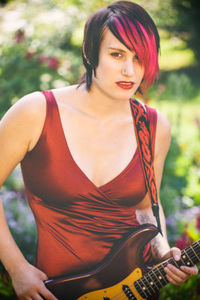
x,y
128,68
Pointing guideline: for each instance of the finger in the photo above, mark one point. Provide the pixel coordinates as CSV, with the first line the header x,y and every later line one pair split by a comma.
x,y
43,276
37,297
176,253
177,272
175,275
190,270
47,294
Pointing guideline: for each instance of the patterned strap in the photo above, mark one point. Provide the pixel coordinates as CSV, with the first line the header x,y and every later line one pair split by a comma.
x,y
143,136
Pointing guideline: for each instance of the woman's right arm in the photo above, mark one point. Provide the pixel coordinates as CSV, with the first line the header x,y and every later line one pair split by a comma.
x,y
20,129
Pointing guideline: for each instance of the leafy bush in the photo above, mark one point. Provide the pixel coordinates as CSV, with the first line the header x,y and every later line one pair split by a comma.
x,y
23,71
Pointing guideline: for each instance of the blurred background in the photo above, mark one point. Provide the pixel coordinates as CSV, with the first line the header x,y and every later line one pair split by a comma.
x,y
40,48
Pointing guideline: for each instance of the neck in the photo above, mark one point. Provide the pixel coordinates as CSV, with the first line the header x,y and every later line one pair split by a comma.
x,y
101,106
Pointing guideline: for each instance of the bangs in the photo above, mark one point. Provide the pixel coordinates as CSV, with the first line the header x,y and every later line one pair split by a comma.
x,y
140,40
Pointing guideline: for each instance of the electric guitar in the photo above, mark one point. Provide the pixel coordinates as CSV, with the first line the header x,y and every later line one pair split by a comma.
x,y
120,275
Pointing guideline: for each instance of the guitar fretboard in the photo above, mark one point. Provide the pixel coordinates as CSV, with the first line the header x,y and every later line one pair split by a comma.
x,y
155,279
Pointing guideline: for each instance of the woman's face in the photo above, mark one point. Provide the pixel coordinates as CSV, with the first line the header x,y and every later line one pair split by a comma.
x,y
119,73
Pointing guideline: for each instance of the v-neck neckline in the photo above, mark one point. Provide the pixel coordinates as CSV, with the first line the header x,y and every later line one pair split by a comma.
x,y
121,173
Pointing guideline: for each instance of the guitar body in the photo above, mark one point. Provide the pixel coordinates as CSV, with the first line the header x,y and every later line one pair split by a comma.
x,y
123,266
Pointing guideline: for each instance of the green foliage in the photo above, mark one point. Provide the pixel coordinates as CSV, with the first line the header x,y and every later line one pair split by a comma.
x,y
187,290
43,55
188,23
6,289
22,71
175,86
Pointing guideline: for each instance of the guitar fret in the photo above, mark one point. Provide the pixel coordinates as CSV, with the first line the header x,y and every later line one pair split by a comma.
x,y
189,263
196,249
149,285
162,272
182,259
198,257
152,280
191,255
174,262
141,289
145,286
196,245
159,278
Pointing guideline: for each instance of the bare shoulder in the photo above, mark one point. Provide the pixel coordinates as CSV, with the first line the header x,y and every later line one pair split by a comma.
x,y
67,93
27,106
25,118
163,134
163,125
20,129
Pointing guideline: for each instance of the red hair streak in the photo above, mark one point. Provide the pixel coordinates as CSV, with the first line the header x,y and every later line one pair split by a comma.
x,y
136,38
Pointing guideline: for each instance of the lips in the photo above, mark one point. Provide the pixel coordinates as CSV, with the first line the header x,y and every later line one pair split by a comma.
x,y
127,85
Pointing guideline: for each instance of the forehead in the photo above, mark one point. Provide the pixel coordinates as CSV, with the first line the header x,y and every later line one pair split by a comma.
x,y
110,41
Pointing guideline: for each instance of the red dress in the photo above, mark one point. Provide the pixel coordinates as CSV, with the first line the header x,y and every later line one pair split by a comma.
x,y
77,222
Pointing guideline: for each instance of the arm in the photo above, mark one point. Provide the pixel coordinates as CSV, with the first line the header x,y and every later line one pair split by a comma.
x,y
20,129
160,246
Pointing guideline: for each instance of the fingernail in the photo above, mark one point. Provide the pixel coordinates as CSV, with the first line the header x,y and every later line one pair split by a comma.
x,y
176,257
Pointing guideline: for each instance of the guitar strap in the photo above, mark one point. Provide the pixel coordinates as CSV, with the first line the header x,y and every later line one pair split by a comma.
x,y
141,122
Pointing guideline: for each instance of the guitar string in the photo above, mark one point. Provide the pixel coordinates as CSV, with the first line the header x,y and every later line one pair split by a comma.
x,y
159,268
121,294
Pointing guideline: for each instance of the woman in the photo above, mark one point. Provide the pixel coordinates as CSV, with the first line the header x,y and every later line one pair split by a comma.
x,y
79,156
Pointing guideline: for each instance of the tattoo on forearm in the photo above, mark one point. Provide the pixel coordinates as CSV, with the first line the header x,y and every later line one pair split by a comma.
x,y
144,218
159,244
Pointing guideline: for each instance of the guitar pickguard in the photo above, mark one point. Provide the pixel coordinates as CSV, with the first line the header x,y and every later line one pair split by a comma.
x,y
117,291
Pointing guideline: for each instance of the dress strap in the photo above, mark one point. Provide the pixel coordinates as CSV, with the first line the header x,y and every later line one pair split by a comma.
x,y
50,100
52,113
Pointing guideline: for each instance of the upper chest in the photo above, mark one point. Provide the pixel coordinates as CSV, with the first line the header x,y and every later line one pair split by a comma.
x,y
81,131
101,149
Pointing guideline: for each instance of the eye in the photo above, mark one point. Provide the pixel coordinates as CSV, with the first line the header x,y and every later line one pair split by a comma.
x,y
116,54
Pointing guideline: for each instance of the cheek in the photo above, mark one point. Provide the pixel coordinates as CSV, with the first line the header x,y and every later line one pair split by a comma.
x,y
106,66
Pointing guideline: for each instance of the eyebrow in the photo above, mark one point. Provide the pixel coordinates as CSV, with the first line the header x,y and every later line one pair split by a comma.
x,y
118,49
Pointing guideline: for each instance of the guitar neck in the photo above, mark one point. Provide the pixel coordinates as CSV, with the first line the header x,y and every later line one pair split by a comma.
x,y
155,279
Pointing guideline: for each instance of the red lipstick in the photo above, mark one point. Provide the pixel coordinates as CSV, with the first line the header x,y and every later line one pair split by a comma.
x,y
126,85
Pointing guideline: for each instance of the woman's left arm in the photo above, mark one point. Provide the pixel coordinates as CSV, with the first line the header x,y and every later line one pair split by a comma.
x,y
159,245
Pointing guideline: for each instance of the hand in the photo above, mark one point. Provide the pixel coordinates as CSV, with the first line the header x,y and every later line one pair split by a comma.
x,y
177,276
28,284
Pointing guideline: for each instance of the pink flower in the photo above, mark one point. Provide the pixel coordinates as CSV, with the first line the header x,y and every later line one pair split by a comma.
x,y
181,243
198,222
19,36
184,241
53,63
